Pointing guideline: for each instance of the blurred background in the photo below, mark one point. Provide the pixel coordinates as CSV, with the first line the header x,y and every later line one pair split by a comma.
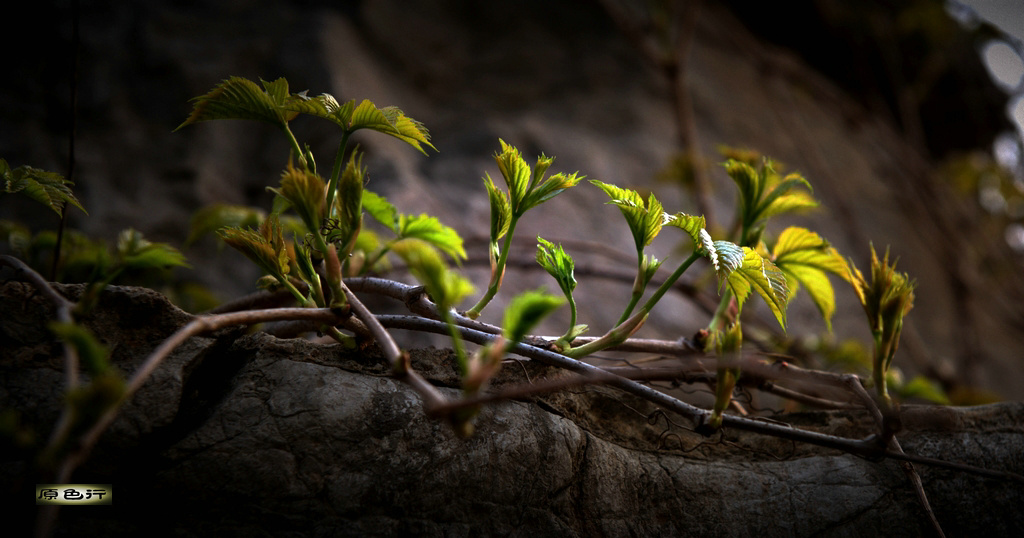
x,y
905,117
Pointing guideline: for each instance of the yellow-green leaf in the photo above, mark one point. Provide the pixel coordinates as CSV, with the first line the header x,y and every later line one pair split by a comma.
x,y
761,275
432,231
446,287
691,224
239,98
805,258
645,219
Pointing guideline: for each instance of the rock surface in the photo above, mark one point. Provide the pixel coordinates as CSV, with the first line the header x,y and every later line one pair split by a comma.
x,y
250,435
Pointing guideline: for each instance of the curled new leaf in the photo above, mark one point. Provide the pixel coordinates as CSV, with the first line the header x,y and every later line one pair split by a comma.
x,y
265,247
501,210
348,205
557,263
517,175
305,192
886,300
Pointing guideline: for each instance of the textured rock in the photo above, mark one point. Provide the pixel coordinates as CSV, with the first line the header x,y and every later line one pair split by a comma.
x,y
257,436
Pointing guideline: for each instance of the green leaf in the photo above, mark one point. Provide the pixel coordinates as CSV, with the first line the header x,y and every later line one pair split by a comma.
x,y
645,219
138,253
525,311
501,211
432,231
305,192
691,224
789,202
805,258
349,203
351,117
725,256
557,263
760,274
517,176
210,219
446,287
381,210
549,188
47,188
238,98
764,193
265,247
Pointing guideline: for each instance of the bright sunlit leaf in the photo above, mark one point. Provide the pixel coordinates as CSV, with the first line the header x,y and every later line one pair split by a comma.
x,y
381,210
644,219
557,263
431,230
761,275
806,259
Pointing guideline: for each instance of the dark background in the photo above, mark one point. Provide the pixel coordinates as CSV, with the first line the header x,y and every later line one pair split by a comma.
x,y
870,102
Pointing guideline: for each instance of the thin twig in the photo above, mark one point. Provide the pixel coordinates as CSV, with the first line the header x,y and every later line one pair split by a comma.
x,y
399,359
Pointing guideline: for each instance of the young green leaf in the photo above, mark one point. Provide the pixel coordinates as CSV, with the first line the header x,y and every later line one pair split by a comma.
x,y
446,288
725,256
525,311
517,176
557,263
390,121
351,117
760,274
305,192
238,98
265,247
501,210
432,231
691,224
886,300
645,219
763,193
550,188
136,252
805,258
381,210
47,188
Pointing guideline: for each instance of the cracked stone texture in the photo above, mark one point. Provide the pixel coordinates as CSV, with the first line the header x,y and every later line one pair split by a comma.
x,y
250,435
